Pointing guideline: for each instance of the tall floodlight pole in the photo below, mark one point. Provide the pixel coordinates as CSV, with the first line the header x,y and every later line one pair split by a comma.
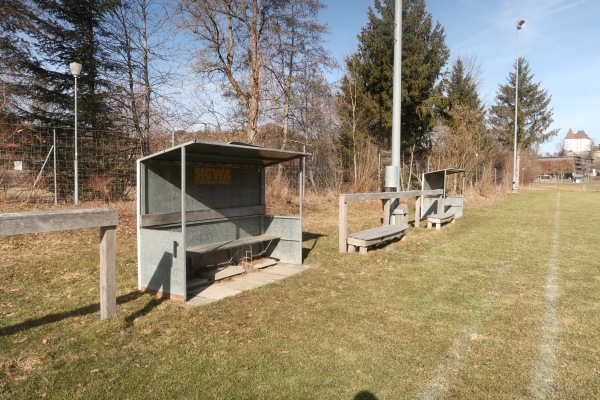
x,y
76,71
397,94
520,24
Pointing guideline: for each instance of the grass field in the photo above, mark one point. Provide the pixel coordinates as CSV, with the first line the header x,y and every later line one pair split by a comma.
x,y
505,303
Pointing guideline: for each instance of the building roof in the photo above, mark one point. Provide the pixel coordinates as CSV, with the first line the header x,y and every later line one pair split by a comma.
x,y
570,134
579,135
226,153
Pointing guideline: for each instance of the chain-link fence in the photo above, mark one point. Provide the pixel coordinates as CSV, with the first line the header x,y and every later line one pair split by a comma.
x,y
37,165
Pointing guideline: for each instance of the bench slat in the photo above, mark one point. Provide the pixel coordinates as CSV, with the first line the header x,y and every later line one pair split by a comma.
x,y
376,235
378,232
440,217
230,244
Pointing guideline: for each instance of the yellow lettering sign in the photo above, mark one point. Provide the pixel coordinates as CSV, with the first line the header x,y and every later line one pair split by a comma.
x,y
212,176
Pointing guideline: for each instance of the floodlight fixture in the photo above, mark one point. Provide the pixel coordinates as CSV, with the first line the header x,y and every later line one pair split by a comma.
x,y
75,69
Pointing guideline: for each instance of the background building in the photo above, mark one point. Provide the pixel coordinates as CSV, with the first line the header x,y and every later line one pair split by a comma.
x,y
577,142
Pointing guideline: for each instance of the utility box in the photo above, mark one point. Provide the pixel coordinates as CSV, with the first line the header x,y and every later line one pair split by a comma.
x,y
202,204
448,180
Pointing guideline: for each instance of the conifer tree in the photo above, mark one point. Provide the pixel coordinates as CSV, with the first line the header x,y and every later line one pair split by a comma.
x,y
534,111
60,32
424,54
460,87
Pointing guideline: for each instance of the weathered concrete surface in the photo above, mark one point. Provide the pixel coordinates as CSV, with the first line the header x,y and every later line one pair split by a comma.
x,y
237,284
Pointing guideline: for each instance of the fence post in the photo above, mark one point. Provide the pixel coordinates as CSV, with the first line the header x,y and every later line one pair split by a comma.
x,y
108,278
343,247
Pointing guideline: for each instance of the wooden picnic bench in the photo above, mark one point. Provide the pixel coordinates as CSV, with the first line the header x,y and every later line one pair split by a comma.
x,y
369,237
386,232
439,219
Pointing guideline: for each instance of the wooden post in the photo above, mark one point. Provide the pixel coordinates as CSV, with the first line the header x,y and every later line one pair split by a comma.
x,y
387,204
108,272
343,232
52,221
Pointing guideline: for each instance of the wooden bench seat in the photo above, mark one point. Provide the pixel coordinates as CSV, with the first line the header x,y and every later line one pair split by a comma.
x,y
439,219
372,236
230,244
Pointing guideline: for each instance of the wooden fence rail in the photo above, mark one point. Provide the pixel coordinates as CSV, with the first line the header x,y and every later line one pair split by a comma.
x,y
387,197
51,221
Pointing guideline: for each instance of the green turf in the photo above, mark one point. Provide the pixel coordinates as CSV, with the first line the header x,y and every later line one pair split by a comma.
x,y
464,312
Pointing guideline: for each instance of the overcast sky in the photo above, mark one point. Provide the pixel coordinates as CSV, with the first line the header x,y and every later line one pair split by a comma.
x,y
560,40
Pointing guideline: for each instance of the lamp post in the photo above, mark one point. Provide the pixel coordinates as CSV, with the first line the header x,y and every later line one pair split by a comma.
x,y
520,24
76,71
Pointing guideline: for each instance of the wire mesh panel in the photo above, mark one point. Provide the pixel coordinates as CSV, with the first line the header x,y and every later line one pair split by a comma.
x,y
37,164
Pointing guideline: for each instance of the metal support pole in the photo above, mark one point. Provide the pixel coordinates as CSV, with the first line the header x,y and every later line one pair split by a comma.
x,y
54,169
76,165
515,183
397,87
393,172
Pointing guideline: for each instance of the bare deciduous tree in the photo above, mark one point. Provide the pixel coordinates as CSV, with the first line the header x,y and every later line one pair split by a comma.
x,y
300,56
233,48
143,45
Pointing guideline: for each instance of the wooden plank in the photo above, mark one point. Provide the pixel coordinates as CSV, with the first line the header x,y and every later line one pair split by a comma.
x,y
353,197
380,231
108,272
230,244
364,242
342,227
52,221
443,217
201,215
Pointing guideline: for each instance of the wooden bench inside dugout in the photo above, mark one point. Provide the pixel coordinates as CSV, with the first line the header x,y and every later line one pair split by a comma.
x,y
202,207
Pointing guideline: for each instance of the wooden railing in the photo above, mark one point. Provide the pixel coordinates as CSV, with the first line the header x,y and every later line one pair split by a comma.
x,y
50,221
387,197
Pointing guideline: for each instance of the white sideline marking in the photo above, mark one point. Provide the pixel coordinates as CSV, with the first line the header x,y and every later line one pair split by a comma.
x,y
543,385
437,384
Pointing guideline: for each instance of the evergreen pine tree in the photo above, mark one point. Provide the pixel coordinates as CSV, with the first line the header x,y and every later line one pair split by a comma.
x,y
64,31
424,54
460,88
534,111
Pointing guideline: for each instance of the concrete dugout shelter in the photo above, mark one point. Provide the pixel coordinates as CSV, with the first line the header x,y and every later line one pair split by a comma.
x,y
203,203
439,180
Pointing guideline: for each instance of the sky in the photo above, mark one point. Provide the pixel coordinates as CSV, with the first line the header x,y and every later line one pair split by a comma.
x,y
560,40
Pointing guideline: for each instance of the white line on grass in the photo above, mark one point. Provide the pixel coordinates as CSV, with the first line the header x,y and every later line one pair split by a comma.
x,y
543,385
437,384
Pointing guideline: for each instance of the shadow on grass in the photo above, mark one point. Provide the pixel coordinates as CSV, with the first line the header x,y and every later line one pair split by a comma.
x,y
365,395
306,236
153,303
90,309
